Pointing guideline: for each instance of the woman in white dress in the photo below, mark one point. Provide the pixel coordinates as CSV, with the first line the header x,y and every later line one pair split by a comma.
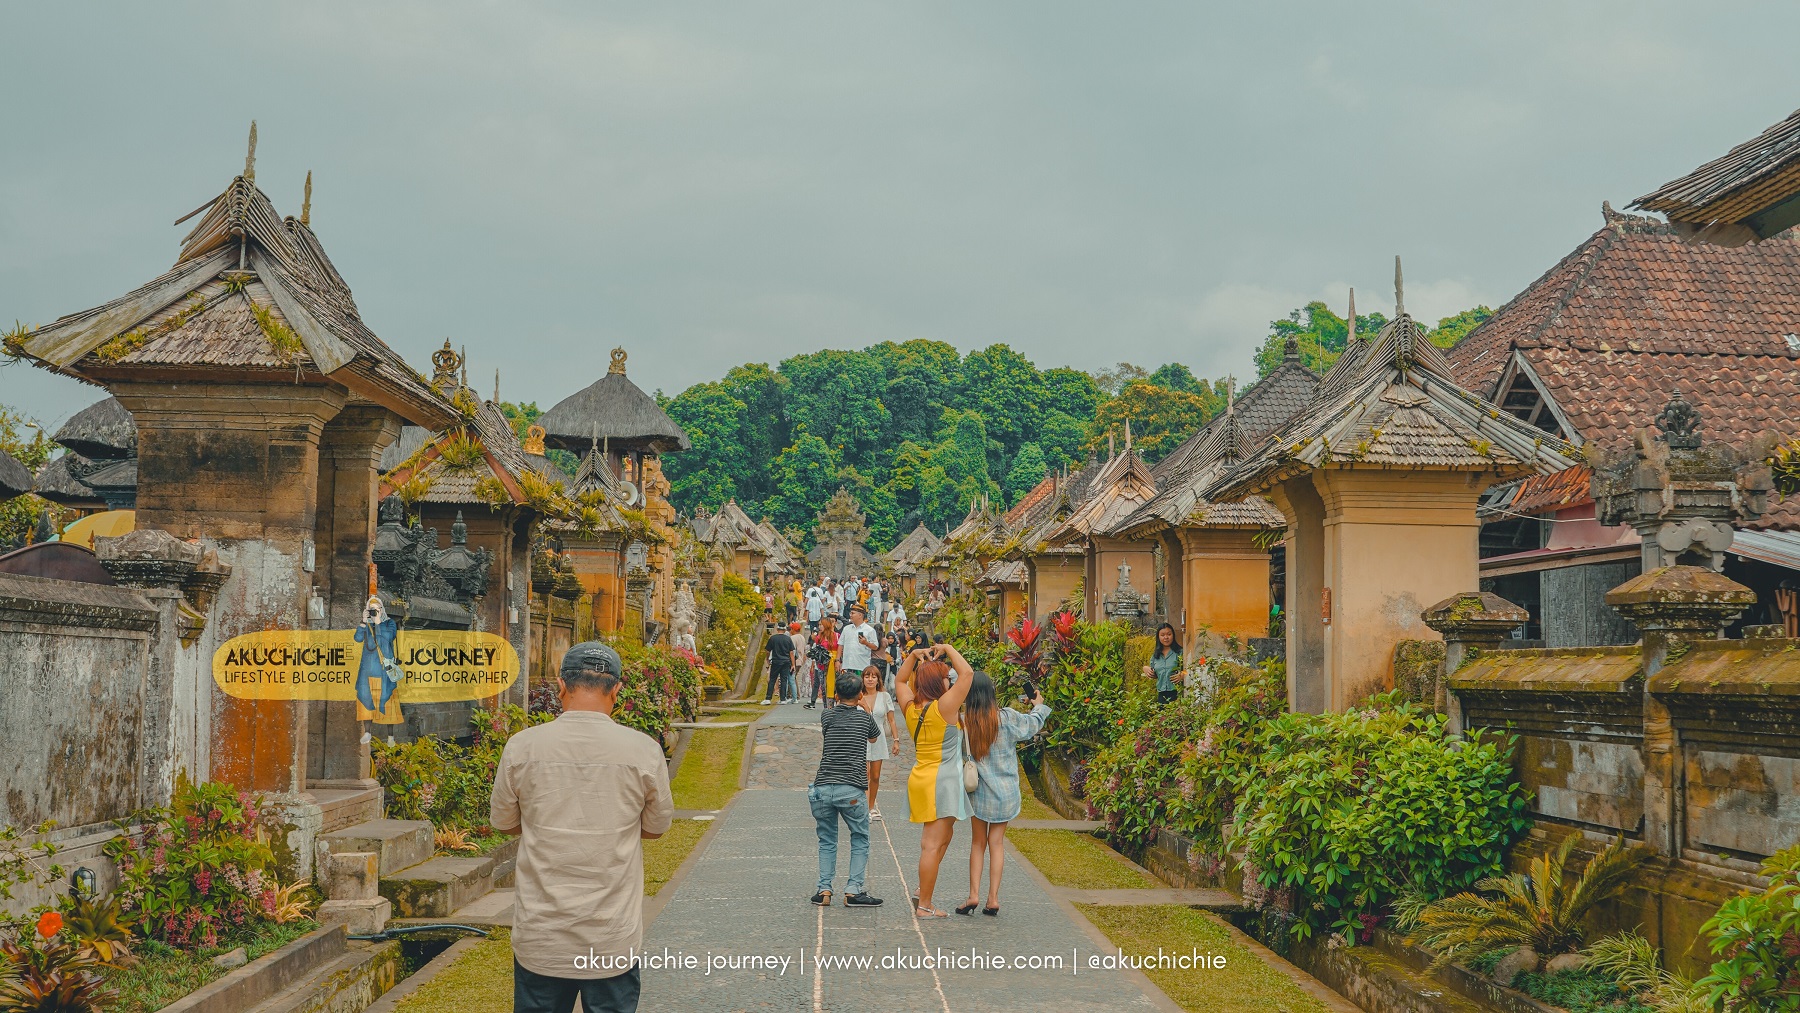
x,y
880,706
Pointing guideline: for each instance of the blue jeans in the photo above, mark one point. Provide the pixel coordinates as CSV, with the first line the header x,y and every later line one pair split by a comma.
x,y
829,801
787,686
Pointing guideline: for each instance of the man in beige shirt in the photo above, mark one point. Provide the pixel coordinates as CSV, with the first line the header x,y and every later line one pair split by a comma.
x,y
584,793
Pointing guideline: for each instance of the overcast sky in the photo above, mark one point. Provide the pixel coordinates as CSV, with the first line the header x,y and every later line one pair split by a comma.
x,y
708,184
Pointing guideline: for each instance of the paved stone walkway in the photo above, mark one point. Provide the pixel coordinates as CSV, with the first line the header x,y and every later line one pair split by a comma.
x,y
747,897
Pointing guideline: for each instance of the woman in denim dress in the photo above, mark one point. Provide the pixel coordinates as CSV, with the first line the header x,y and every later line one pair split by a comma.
x,y
994,734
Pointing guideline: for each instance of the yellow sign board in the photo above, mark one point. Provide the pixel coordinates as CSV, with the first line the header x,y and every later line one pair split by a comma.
x,y
440,665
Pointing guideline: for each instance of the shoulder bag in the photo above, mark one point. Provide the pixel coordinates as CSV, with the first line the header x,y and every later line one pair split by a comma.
x,y
971,774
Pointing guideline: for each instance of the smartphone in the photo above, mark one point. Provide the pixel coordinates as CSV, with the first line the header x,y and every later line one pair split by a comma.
x,y
1030,692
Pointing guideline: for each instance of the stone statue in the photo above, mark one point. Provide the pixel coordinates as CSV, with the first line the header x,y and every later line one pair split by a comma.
x,y
683,614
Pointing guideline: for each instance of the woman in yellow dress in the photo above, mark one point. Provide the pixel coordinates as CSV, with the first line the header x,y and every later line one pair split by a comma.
x,y
930,702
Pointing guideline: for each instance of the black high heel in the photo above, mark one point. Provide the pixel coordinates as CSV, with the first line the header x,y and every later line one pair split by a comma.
x,y
991,912
966,909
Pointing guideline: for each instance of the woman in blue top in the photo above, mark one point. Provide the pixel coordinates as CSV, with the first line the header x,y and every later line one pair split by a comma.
x,y
1165,663
994,734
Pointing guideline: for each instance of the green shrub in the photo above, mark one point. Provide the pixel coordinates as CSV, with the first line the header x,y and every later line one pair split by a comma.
x,y
1757,938
1343,812
445,782
737,611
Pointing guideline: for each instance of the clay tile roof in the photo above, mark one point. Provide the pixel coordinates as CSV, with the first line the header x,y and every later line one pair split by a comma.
x,y
102,429
1635,313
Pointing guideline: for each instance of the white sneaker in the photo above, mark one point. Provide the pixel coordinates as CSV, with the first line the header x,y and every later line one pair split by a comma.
x,y
874,814
765,703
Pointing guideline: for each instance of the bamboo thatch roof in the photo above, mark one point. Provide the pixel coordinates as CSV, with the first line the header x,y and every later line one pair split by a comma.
x,y
918,546
251,293
1391,403
613,408
102,429
1750,193
58,481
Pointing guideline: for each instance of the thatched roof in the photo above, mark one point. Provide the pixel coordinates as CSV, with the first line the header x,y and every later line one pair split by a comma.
x,y
918,546
251,293
58,481
15,478
614,409
103,429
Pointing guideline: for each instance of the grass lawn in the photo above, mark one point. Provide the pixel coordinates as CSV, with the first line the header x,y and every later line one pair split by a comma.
x,y
665,854
737,714
1244,985
482,979
1034,808
709,773
164,974
1071,859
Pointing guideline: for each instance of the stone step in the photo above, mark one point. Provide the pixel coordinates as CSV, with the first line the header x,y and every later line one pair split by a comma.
x,y
400,843
348,984
437,888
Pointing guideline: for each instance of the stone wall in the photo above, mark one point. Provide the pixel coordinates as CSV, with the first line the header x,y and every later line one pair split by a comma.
x,y
1727,713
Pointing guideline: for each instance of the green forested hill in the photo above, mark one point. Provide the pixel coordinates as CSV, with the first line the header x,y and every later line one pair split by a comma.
x,y
917,431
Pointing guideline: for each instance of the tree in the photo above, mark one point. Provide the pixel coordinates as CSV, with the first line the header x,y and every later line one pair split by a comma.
x,y
23,439
1450,330
1321,336
1028,469
1007,391
1175,376
1160,419
806,474
708,474
1113,381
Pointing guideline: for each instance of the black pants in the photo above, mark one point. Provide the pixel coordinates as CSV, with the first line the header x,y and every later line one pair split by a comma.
x,y
776,688
538,993
1167,695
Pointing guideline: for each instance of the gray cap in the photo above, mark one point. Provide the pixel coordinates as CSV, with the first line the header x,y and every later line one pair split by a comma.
x,y
592,655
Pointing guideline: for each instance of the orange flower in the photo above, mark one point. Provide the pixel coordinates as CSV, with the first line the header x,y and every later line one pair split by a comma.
x,y
49,923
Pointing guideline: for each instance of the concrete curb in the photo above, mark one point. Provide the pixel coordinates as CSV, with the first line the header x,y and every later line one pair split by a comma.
x,y
265,976
436,966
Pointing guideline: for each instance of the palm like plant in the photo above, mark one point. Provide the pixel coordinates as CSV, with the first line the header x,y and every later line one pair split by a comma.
x,y
293,902
1536,910
100,931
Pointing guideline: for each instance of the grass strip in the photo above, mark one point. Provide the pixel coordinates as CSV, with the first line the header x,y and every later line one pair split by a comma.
x,y
1244,985
482,979
709,772
1076,860
665,854
163,974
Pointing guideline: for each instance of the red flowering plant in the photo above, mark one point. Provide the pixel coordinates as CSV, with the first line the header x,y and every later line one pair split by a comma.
x,y
201,869
1093,703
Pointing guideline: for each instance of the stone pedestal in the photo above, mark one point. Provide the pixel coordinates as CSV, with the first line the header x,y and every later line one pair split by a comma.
x,y
1469,622
1672,606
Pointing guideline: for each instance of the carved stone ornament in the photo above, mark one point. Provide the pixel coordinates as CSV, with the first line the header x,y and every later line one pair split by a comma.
x,y
148,557
1680,424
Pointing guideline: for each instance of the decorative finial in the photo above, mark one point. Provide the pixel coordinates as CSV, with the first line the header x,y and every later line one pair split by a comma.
x,y
1128,434
496,385
459,532
1112,450
1352,336
1680,423
618,362
534,440
594,438
444,364
250,157
1399,289
306,202
372,588
464,355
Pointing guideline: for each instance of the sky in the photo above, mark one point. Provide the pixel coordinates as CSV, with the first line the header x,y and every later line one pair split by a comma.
x,y
707,184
